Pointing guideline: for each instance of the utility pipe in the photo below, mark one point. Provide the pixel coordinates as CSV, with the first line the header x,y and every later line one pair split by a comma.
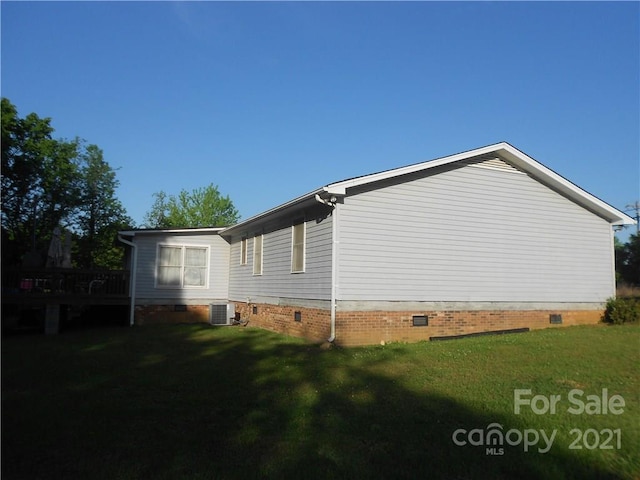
x,y
134,268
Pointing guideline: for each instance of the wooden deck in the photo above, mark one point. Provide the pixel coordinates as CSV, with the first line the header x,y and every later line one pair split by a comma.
x,y
59,286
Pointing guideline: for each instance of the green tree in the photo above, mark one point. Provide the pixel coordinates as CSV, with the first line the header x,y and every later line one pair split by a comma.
x,y
628,260
202,207
39,181
49,182
100,214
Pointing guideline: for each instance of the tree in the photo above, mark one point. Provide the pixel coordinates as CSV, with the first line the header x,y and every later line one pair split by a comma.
x,y
39,180
100,214
202,207
49,182
628,260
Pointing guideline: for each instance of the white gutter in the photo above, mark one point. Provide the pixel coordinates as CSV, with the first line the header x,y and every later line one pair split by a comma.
x,y
132,287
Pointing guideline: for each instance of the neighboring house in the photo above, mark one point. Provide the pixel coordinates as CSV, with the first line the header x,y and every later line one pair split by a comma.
x,y
484,240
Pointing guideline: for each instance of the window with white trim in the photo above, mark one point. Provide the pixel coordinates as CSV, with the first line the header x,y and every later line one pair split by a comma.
x,y
182,266
298,234
257,255
243,251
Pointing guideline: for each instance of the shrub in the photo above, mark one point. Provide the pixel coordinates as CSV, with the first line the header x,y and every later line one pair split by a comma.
x,y
622,310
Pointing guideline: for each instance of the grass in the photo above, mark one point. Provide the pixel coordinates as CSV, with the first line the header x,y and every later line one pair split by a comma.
x,y
195,401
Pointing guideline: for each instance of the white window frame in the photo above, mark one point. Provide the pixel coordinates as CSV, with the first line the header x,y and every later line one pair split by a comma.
x,y
182,266
244,251
258,266
295,246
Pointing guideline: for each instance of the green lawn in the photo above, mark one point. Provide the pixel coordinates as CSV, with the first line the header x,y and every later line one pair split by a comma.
x,y
194,401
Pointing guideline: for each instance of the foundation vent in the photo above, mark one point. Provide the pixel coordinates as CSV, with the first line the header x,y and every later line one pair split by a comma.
x,y
493,163
420,321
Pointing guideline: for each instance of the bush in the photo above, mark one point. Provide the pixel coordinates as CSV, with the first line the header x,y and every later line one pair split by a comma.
x,y
622,310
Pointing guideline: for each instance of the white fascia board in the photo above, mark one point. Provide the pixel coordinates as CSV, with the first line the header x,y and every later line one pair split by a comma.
x,y
513,156
340,188
133,233
561,184
272,211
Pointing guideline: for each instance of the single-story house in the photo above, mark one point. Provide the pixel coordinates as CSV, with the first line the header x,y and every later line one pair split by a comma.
x,y
484,240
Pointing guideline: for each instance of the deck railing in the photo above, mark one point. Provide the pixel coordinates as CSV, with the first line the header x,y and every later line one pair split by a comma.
x,y
64,282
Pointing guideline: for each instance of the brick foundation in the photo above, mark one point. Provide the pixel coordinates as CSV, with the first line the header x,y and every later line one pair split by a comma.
x,y
156,314
370,327
314,324
366,328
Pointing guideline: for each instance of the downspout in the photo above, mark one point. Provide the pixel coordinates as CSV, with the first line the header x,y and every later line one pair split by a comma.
x,y
134,268
334,261
613,262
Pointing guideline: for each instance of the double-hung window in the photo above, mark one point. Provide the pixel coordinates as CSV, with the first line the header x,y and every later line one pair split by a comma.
x,y
297,248
181,266
257,255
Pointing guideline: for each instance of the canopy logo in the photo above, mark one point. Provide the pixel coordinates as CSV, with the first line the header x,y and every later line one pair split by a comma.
x,y
493,438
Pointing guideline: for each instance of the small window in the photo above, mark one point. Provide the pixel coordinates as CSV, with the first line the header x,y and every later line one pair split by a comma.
x,y
257,255
297,248
297,316
243,251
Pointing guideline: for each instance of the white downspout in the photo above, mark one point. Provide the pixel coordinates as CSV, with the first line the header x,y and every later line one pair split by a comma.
x,y
334,261
132,287
334,270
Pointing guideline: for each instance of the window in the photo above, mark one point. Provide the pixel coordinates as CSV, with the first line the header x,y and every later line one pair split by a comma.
x,y
182,266
243,251
257,255
297,248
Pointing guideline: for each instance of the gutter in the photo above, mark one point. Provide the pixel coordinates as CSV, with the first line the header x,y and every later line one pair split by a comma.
x,y
132,287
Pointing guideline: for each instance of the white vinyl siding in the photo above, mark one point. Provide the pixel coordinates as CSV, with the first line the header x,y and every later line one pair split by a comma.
x,y
472,235
298,234
182,266
257,254
217,275
277,280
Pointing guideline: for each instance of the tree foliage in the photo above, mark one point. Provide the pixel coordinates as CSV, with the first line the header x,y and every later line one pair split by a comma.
x,y
628,260
202,207
49,182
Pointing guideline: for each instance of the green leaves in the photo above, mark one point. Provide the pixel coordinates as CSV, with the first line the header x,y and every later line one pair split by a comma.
x,y
49,182
628,260
202,207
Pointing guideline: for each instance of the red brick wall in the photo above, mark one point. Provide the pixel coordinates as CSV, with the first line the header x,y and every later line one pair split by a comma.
x,y
365,328
314,324
154,314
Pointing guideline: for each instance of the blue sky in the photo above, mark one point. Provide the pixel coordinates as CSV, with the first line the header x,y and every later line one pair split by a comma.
x,y
271,100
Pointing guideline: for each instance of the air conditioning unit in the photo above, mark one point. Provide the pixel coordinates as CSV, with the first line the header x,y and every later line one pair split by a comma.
x,y
222,313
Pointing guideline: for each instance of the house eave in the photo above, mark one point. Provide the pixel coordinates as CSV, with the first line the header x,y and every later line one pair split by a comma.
x,y
511,155
151,231
291,204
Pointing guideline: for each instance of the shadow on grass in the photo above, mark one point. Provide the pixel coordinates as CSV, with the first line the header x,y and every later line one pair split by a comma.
x,y
197,402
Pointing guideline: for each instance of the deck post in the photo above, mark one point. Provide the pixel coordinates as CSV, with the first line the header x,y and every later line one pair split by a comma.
x,y
52,319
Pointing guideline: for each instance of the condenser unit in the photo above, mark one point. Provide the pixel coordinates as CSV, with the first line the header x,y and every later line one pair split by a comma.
x,y
222,313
